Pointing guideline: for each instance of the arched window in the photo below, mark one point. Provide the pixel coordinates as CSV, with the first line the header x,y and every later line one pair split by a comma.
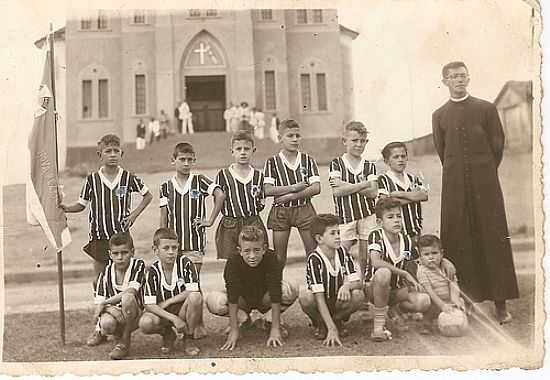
x,y
313,86
140,87
95,93
270,84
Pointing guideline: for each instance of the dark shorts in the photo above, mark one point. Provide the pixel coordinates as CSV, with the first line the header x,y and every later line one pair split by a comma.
x,y
98,250
227,233
284,218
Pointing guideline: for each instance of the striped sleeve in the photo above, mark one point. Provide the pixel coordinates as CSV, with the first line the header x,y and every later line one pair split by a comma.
x,y
313,171
137,185
371,175
137,276
334,170
163,194
260,205
206,185
151,287
350,267
86,192
220,179
418,184
314,274
269,171
190,275
383,186
374,241
412,248
100,289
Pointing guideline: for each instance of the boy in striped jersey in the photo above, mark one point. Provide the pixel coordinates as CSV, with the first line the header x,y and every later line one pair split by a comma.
x,y
244,195
109,194
118,296
172,297
334,289
354,189
407,188
183,209
387,282
291,178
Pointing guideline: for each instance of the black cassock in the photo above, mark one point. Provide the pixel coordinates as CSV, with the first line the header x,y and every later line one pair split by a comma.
x,y
469,139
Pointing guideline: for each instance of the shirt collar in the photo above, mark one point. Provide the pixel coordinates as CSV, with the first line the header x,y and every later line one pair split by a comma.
x,y
456,100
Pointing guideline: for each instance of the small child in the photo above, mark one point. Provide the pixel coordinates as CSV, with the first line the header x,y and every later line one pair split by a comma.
x,y
407,188
334,289
109,194
183,209
118,296
172,297
387,282
444,291
252,282
354,189
291,178
243,187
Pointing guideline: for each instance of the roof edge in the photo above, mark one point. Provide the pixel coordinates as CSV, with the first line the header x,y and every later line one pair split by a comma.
x,y
352,33
58,35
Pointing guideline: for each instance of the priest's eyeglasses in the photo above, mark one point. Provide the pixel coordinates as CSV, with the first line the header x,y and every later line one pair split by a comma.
x,y
457,76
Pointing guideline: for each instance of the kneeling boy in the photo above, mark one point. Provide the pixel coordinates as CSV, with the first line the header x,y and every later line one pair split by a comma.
x,y
334,289
252,281
118,296
387,281
173,302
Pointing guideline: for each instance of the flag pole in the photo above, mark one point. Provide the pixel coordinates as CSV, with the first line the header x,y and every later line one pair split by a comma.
x,y
59,252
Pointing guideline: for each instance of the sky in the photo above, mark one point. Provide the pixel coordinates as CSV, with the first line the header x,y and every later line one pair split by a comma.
x,y
397,60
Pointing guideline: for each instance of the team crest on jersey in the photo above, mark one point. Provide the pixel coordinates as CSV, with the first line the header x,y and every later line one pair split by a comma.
x,y
195,194
303,171
180,282
407,255
121,191
254,190
361,177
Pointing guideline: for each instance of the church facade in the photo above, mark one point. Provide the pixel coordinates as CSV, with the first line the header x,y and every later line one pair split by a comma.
x,y
123,67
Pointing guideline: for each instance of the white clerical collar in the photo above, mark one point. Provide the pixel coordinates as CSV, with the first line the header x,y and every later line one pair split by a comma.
x,y
460,99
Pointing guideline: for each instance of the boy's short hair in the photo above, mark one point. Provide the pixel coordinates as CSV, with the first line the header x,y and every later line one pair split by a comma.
x,y
164,233
242,136
384,205
252,234
122,238
428,240
321,222
288,124
183,148
452,65
107,140
386,152
356,126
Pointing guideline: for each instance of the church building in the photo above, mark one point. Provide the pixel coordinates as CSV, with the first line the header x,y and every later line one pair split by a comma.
x,y
121,67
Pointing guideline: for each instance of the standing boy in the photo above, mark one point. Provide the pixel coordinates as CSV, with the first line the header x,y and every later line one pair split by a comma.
x,y
252,282
141,131
354,189
118,296
407,188
243,187
291,178
183,208
172,297
387,283
334,289
109,193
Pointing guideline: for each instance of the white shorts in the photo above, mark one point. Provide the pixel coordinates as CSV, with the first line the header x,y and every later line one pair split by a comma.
x,y
358,229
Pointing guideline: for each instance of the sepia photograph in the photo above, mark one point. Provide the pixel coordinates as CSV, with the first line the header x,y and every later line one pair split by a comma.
x,y
227,187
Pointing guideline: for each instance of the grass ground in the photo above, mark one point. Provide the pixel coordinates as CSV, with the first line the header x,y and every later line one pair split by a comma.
x,y
27,339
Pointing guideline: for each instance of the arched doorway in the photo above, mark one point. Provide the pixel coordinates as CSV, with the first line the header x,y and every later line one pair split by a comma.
x,y
204,81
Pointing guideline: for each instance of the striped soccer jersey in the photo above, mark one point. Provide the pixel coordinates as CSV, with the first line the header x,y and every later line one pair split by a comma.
x,y
184,205
134,277
279,171
378,241
184,277
353,206
243,196
321,276
110,202
412,212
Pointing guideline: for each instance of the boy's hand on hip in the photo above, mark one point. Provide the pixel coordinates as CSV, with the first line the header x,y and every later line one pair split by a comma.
x,y
202,223
128,221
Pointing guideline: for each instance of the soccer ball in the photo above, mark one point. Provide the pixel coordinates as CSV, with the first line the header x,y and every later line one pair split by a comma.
x,y
453,323
216,303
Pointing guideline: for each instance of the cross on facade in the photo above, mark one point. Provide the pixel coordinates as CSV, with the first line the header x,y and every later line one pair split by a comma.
x,y
201,50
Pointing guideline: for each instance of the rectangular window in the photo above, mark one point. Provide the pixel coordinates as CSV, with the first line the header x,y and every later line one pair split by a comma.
x,y
322,92
194,13
103,98
270,91
102,22
139,17
141,105
306,92
301,16
211,13
317,16
85,24
86,99
266,14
